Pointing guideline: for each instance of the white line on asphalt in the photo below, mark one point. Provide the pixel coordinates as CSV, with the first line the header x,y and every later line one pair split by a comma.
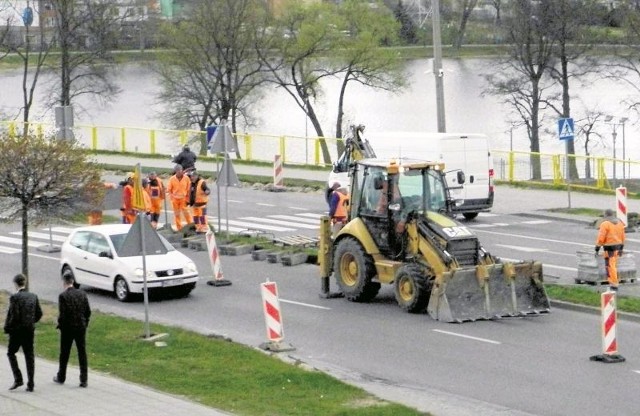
x,y
296,218
304,304
63,230
278,222
42,236
44,257
636,371
298,208
546,240
489,341
534,222
235,201
9,250
18,241
495,224
252,225
312,215
546,265
265,205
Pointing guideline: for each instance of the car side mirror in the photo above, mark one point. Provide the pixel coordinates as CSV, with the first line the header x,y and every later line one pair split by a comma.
x,y
105,254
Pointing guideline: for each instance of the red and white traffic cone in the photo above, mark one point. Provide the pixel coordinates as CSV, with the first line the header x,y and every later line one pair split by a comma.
x,y
609,339
214,259
621,204
273,319
278,173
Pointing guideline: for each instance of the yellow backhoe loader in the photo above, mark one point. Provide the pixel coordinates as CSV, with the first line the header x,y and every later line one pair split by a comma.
x,y
399,232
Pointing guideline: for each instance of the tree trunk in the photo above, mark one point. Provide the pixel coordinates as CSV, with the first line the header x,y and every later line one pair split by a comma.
x,y
467,8
572,167
25,241
343,88
536,169
326,156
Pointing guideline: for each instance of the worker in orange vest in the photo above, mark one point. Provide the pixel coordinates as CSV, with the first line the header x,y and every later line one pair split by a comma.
x,y
338,207
178,190
155,190
611,236
198,199
128,212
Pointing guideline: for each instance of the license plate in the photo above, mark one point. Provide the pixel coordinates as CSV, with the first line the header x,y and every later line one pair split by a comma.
x,y
172,282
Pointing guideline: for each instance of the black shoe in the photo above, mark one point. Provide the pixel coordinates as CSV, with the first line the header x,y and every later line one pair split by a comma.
x,y
57,380
83,384
15,385
30,389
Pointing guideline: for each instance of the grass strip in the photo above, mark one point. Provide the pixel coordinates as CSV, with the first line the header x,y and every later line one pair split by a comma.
x,y
211,371
590,297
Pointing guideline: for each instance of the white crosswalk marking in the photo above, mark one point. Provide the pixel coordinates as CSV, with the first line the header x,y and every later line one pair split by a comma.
x,y
535,222
43,236
63,230
9,250
291,218
247,224
17,241
310,215
279,222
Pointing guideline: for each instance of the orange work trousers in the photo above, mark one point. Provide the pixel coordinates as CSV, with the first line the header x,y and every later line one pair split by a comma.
x,y
180,210
611,265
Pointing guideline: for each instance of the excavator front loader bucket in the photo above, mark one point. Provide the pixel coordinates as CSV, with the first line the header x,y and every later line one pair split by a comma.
x,y
487,292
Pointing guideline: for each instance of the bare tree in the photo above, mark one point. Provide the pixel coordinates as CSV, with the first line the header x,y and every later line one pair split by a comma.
x,y
363,59
305,35
465,15
45,177
521,78
85,32
586,130
211,71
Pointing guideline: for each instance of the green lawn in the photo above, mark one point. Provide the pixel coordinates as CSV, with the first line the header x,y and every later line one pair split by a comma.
x,y
211,371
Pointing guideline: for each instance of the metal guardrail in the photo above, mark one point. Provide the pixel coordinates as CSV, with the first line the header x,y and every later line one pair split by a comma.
x,y
511,166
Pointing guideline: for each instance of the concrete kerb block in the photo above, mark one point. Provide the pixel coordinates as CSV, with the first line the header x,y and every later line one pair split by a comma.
x,y
261,254
235,249
293,259
198,244
274,257
277,346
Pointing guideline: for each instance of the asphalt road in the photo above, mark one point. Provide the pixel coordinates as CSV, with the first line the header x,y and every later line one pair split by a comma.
x,y
536,365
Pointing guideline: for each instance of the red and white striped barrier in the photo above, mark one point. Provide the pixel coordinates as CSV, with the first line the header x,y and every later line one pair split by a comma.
x,y
278,172
609,320
272,318
621,204
214,260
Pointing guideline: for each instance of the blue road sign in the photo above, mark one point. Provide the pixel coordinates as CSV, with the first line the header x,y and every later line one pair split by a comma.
x,y
565,129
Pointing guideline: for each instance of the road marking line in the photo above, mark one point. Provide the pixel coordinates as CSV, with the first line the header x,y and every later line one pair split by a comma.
x,y
545,265
9,250
311,215
63,230
42,236
44,257
636,371
546,240
495,224
534,222
279,222
489,341
235,201
251,225
296,218
297,208
521,248
18,241
304,304
265,205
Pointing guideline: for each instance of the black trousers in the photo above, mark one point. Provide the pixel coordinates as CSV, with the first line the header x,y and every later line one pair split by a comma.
x,y
21,339
67,338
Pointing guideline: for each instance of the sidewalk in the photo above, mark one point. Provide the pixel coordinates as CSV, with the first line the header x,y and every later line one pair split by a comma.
x,y
105,395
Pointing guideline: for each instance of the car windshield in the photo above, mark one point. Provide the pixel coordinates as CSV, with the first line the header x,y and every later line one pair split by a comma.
x,y
118,240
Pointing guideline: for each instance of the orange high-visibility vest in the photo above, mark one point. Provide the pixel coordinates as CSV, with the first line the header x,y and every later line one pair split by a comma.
x,y
201,197
343,203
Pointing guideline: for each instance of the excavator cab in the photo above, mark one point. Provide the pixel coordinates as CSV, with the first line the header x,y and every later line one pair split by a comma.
x,y
400,232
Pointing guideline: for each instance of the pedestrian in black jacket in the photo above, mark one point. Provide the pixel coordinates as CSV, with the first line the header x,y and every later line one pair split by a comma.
x,y
24,311
186,159
73,319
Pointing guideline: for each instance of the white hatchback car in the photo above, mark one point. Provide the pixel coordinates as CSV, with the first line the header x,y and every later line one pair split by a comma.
x,y
93,255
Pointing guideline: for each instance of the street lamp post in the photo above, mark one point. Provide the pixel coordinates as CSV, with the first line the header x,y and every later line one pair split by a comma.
x,y
614,134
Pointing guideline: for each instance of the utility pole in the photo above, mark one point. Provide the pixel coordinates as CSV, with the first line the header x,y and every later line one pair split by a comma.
x,y
437,65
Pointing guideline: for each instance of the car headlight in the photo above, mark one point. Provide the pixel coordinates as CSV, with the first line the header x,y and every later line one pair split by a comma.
x,y
140,273
191,267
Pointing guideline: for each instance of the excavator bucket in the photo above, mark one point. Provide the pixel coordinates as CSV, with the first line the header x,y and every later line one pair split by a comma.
x,y
488,292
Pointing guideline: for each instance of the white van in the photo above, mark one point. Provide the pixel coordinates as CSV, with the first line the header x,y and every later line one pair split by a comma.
x,y
467,152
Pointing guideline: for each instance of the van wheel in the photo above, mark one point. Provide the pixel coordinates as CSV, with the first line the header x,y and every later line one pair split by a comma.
x,y
470,215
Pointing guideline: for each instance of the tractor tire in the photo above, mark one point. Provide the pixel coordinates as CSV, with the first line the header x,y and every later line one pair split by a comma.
x,y
354,271
469,215
413,288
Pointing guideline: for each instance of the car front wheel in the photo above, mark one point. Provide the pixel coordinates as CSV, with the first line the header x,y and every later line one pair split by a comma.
x,y
121,289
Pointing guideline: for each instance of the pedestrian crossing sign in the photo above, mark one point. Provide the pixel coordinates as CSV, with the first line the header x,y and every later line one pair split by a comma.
x,y
565,129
